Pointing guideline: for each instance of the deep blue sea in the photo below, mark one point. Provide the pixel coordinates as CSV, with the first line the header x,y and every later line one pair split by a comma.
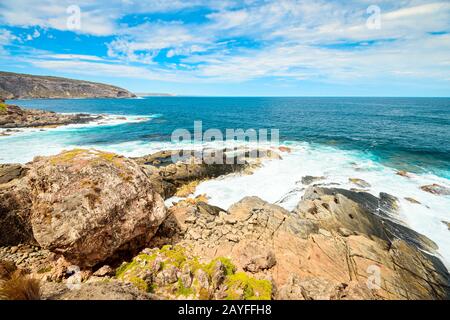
x,y
337,138
407,133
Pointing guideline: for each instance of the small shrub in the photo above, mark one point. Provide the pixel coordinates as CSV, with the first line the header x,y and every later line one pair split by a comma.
x,y
20,287
3,107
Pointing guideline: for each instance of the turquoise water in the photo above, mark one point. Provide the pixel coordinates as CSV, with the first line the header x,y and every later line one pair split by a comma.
x,y
407,133
338,138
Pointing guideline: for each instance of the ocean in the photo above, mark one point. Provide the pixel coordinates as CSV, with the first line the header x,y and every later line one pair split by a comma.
x,y
338,138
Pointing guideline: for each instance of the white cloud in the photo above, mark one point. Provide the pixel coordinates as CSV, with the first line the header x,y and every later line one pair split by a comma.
x,y
72,57
299,39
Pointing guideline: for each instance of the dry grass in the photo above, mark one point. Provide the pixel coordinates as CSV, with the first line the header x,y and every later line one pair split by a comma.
x,y
20,287
7,268
187,189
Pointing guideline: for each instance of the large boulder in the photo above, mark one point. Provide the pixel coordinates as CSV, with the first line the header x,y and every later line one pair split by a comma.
x,y
86,205
15,210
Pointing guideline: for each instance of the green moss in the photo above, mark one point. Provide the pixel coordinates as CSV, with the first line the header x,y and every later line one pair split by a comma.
x,y
175,255
146,257
3,107
70,155
230,268
139,283
67,156
240,285
182,290
120,272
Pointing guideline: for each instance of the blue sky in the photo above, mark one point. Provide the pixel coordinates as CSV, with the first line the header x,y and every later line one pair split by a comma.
x,y
238,48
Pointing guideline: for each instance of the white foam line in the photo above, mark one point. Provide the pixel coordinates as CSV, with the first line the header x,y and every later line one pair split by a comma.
x,y
106,120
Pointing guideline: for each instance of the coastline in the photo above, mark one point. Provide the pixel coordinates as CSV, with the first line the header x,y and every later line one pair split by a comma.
x,y
286,183
319,220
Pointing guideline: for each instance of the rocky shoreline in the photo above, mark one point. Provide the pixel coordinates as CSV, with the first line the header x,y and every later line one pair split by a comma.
x,y
13,117
27,86
105,214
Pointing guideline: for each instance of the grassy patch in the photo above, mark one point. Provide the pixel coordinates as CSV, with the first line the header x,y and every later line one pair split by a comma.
x,y
240,285
92,156
3,107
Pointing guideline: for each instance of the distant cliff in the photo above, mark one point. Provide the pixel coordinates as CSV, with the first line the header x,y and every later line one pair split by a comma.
x,y
24,86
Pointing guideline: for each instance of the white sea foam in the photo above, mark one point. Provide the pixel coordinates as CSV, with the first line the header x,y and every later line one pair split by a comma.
x,y
279,181
106,120
23,144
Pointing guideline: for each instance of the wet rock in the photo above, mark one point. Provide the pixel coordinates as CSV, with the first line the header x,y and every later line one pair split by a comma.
x,y
412,200
17,117
360,182
261,262
360,212
285,149
388,203
306,180
436,189
170,170
447,224
403,173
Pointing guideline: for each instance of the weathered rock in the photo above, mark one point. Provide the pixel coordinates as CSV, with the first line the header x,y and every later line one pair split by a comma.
x,y
261,262
16,117
111,290
306,180
388,203
332,256
285,149
360,182
10,172
15,211
88,205
104,271
436,189
412,200
310,288
403,173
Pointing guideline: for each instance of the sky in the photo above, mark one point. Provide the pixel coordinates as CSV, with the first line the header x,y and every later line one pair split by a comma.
x,y
235,48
